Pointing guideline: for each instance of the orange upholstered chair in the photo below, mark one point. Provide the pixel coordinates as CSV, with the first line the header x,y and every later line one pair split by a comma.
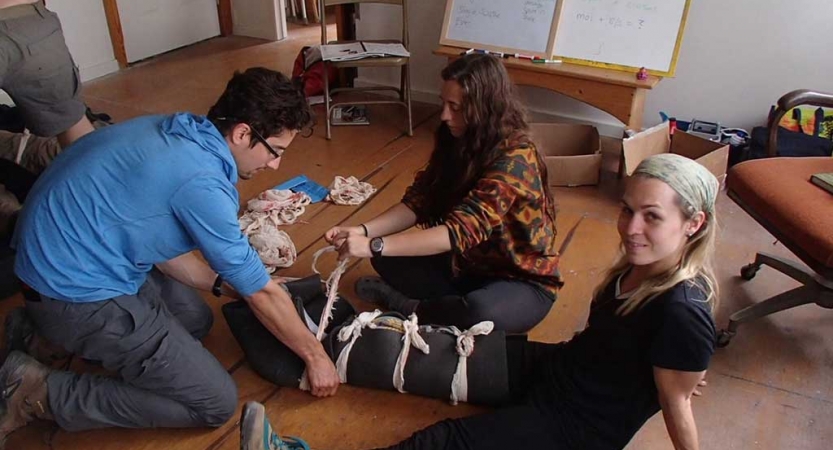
x,y
777,193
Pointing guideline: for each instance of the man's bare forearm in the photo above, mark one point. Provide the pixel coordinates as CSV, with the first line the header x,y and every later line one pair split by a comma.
x,y
274,309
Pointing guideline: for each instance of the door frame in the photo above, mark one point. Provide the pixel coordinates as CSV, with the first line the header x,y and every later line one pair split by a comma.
x,y
111,11
345,24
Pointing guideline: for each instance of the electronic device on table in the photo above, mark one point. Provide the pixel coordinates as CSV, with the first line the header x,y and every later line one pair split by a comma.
x,y
705,130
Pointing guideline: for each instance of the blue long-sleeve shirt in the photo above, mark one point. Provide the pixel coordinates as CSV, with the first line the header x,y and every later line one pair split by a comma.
x,y
127,197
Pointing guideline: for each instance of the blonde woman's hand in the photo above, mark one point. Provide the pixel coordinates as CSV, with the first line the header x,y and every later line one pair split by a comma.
x,y
702,383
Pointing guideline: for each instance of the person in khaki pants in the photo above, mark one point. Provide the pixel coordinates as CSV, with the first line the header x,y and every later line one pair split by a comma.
x,y
38,73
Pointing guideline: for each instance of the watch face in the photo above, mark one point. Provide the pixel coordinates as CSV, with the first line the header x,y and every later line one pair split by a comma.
x,y
376,244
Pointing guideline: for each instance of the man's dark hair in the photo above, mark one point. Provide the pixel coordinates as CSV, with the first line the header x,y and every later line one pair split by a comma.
x,y
264,99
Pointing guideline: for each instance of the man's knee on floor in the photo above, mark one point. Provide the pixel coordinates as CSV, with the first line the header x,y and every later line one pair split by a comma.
x,y
199,321
220,408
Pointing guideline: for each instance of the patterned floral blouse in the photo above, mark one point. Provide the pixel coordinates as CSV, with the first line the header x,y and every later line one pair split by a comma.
x,y
500,229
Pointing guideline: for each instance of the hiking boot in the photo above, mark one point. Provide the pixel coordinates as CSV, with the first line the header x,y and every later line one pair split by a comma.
x,y
20,335
256,433
377,291
23,397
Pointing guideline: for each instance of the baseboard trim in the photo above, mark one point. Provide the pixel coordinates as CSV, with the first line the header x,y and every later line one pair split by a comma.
x,y
98,70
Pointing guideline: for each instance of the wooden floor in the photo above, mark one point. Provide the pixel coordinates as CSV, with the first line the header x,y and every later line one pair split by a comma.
x,y
771,389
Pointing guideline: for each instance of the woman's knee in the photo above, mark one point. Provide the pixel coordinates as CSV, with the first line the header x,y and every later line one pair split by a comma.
x,y
513,313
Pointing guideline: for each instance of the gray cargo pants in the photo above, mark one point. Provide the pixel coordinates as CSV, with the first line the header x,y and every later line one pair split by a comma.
x,y
166,377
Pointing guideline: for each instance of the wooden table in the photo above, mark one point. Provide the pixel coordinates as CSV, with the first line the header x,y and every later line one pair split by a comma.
x,y
618,93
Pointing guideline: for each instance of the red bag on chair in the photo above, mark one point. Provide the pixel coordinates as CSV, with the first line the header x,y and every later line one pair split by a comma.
x,y
308,71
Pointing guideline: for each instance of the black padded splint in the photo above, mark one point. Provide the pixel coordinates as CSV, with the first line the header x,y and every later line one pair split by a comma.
x,y
268,356
373,358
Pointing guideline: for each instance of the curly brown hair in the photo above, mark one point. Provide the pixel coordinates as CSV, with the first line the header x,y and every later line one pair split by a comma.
x,y
264,99
495,122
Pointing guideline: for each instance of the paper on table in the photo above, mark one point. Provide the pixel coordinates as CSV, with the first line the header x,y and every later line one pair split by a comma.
x,y
359,50
343,52
386,49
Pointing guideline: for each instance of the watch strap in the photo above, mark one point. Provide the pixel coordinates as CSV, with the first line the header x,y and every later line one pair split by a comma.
x,y
216,289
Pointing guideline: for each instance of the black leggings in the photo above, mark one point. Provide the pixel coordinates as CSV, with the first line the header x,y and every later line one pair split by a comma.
x,y
514,306
523,424
517,427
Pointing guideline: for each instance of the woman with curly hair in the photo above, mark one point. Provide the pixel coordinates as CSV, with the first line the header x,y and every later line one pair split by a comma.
x,y
484,247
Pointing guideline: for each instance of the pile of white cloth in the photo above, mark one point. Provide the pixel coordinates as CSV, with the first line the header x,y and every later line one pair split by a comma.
x,y
350,191
260,224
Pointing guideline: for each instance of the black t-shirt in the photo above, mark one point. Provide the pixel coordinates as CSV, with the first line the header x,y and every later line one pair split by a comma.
x,y
599,387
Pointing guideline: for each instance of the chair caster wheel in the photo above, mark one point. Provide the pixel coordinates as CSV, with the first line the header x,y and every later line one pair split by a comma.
x,y
724,338
748,271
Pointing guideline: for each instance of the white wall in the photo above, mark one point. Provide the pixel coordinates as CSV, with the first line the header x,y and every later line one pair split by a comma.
x,y
152,27
87,36
737,58
259,18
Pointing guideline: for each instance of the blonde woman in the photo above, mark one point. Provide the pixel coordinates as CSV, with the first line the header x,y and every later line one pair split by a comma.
x,y
648,342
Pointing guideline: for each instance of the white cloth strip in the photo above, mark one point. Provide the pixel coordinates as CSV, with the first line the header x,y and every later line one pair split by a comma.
x,y
411,337
332,294
350,191
331,286
465,347
21,148
352,332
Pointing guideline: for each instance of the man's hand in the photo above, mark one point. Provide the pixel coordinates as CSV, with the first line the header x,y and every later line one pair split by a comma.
x,y
337,235
322,376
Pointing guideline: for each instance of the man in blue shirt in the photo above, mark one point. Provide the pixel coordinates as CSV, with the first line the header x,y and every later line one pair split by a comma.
x,y
104,247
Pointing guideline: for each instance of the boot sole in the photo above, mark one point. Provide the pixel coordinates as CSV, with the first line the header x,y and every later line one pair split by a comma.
x,y
248,423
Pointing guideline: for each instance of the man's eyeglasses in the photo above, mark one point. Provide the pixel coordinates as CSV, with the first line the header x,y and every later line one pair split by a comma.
x,y
276,152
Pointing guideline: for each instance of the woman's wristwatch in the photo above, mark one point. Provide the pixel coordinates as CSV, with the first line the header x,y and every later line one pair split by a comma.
x,y
377,244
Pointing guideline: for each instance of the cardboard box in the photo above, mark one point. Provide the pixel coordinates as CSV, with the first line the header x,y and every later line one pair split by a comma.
x,y
653,141
572,153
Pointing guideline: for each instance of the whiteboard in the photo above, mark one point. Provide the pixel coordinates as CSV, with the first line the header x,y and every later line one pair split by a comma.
x,y
629,33
514,26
